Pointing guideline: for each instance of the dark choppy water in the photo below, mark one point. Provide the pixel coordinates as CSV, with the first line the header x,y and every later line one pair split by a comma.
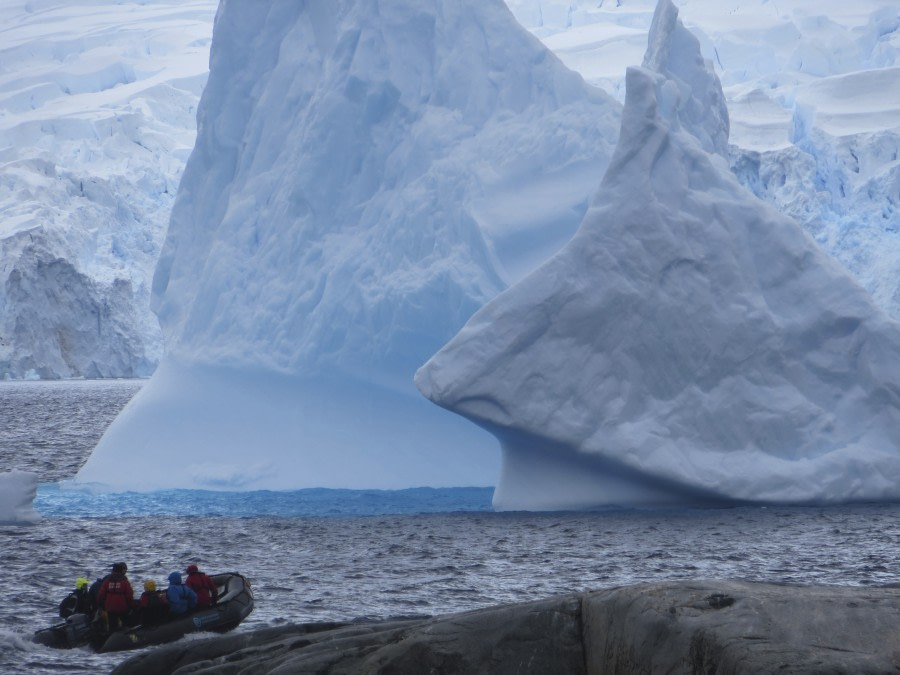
x,y
308,568
50,427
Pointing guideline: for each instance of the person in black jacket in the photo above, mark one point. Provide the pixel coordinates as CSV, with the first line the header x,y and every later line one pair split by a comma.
x,y
154,604
78,601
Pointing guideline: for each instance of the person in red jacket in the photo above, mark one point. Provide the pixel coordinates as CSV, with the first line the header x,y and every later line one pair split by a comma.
x,y
116,596
203,586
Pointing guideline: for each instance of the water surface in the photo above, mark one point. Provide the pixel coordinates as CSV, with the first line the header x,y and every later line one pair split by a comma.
x,y
340,555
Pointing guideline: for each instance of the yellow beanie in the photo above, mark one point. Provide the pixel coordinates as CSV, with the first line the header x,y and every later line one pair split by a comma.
x,y
150,585
81,582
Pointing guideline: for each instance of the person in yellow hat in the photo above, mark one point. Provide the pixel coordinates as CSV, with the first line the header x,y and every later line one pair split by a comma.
x,y
78,601
153,605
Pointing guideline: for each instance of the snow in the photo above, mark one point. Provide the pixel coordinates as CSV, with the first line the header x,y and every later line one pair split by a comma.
x,y
97,105
336,224
17,492
812,92
690,345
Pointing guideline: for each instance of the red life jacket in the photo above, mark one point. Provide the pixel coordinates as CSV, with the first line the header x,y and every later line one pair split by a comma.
x,y
154,607
154,599
204,587
116,595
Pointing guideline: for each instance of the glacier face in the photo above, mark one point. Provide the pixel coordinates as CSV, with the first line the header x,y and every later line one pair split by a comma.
x,y
337,222
96,120
690,345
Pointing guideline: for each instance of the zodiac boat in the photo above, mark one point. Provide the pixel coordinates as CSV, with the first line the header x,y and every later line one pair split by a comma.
x,y
235,602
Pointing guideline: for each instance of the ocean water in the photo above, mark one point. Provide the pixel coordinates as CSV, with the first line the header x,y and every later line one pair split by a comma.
x,y
337,555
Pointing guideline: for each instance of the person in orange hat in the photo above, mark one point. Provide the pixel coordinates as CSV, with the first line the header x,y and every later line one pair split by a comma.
x,y
203,586
154,604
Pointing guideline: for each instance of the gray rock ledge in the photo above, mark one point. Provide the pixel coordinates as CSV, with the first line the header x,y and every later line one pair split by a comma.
x,y
675,627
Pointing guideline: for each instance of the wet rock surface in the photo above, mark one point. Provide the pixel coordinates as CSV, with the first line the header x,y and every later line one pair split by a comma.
x,y
676,627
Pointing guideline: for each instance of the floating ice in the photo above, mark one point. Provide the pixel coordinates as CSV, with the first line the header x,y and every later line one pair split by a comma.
x,y
364,179
17,492
690,344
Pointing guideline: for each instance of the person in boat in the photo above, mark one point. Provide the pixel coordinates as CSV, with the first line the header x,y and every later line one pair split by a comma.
x,y
94,590
153,605
181,598
203,586
78,601
116,597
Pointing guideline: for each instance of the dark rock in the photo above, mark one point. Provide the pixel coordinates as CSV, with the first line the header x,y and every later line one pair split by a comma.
x,y
764,628
679,627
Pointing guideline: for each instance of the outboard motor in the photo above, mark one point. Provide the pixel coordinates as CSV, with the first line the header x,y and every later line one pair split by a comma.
x,y
78,628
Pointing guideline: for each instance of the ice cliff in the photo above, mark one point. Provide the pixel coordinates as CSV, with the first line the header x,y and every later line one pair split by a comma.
x,y
96,120
365,177
691,344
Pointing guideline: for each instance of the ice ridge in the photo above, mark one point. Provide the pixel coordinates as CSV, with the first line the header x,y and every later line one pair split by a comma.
x,y
690,345
337,222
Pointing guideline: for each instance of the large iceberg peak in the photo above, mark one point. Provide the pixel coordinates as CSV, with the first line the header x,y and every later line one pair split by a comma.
x,y
689,345
333,192
686,95
335,226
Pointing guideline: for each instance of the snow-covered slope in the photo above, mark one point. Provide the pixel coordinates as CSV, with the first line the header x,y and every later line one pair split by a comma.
x,y
813,91
690,344
97,105
340,218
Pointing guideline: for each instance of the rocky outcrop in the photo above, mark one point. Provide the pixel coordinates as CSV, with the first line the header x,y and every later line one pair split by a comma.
x,y
742,627
677,627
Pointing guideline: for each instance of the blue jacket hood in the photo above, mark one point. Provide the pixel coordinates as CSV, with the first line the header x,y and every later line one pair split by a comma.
x,y
175,578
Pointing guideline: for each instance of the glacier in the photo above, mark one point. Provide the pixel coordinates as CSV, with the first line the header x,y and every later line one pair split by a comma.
x,y
364,178
97,104
691,344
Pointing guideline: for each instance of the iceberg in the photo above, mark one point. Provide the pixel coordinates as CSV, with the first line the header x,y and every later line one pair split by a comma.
x,y
690,345
98,116
364,178
813,92
17,492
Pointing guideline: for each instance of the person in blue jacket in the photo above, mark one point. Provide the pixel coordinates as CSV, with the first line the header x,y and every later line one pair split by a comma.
x,y
181,598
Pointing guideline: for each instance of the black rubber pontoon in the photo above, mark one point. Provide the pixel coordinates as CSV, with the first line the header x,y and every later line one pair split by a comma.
x,y
235,603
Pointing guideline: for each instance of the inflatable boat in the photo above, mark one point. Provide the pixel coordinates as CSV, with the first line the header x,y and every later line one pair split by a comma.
x,y
235,602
